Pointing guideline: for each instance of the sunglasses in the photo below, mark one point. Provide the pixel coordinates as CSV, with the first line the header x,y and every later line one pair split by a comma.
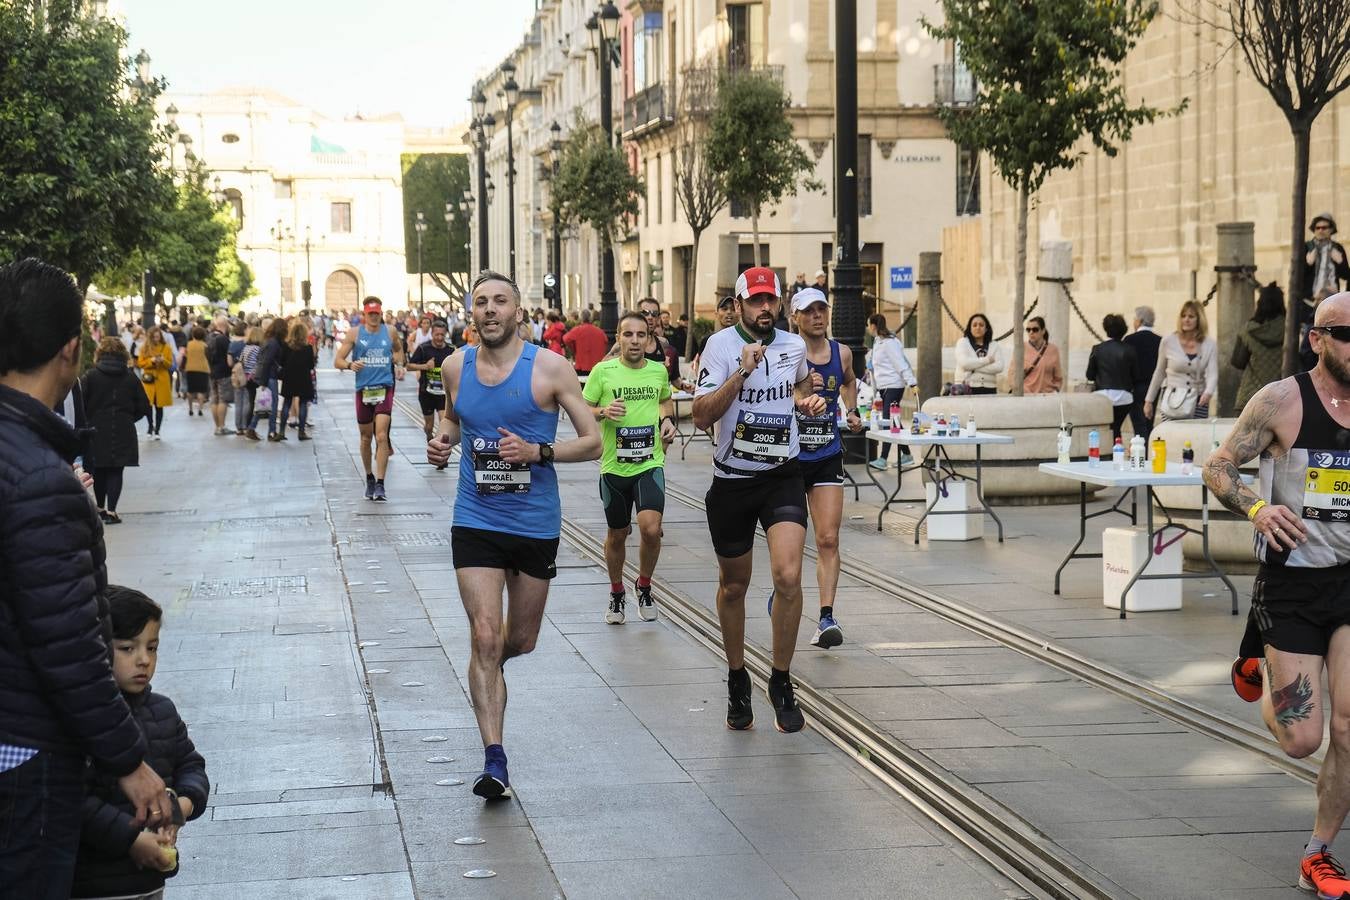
x,y
647,314
1033,330
1339,333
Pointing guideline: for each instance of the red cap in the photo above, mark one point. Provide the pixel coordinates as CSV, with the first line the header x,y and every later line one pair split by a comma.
x,y
373,305
757,280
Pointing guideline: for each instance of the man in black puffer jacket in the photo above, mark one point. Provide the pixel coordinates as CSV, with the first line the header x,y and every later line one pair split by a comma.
x,y
59,703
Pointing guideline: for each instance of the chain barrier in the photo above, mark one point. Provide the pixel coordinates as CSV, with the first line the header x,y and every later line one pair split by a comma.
x,y
912,310
1025,316
1073,304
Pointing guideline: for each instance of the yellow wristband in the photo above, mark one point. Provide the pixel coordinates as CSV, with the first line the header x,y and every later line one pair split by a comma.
x,y
1256,508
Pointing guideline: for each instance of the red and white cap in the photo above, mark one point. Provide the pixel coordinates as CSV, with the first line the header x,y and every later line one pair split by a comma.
x,y
758,280
373,304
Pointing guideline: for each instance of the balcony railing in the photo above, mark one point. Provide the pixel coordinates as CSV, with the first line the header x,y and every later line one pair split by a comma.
x,y
953,85
648,110
699,83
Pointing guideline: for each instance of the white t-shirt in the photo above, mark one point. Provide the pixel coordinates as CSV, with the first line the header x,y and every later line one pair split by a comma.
x,y
758,432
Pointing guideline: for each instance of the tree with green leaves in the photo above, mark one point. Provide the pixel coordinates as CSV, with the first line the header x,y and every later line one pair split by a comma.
x,y
232,280
698,185
1048,76
750,142
594,185
81,151
430,181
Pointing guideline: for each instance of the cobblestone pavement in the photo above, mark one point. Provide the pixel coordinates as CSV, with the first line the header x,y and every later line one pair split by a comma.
x,y
316,645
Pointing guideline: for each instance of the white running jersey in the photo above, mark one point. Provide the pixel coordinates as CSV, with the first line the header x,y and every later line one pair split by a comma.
x,y
758,432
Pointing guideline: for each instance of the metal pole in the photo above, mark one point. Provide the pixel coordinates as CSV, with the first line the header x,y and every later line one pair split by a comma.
x,y
482,202
421,279
847,320
148,299
609,303
510,193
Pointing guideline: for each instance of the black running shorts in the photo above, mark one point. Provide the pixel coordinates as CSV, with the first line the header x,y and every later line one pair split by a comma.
x,y
826,472
736,505
1296,609
430,403
478,548
620,493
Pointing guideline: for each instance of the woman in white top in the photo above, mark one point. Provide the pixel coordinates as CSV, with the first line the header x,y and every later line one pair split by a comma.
x,y
978,357
1187,373
891,374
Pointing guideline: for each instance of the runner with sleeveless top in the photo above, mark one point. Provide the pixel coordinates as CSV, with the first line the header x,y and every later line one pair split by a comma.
x,y
502,411
427,360
376,356
1298,629
751,380
822,448
630,396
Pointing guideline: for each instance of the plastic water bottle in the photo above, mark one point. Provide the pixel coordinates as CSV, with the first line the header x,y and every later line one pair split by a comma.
x,y
1137,453
1094,449
914,424
875,423
954,426
1187,459
940,426
1063,445
970,427
1159,456
895,418
1118,456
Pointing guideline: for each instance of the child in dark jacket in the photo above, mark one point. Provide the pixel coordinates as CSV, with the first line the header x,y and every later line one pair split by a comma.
x,y
117,859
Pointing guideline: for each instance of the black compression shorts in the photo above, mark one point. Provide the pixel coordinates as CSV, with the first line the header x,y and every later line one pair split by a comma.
x,y
823,472
620,493
430,403
736,505
1296,609
478,548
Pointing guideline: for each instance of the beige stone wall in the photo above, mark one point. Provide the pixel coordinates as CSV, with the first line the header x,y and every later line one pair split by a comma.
x,y
1143,222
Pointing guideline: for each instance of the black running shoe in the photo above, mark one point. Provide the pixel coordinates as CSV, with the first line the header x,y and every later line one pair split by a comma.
x,y
787,714
740,714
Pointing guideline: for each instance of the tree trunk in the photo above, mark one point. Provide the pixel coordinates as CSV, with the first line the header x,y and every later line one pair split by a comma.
x,y
1298,213
754,230
689,291
1020,291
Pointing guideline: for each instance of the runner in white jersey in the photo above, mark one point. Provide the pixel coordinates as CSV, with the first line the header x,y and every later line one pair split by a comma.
x,y
751,379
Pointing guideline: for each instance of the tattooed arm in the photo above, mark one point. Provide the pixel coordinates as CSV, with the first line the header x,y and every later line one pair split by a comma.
x,y
1253,433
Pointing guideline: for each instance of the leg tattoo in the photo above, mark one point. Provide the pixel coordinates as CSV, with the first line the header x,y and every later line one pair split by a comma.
x,y
1293,703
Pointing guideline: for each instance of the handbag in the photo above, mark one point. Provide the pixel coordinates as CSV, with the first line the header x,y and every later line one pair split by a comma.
x,y
263,402
956,389
237,377
147,378
1242,355
1178,402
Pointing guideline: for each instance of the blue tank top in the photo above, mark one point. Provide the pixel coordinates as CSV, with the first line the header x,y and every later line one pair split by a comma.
x,y
819,435
493,494
377,351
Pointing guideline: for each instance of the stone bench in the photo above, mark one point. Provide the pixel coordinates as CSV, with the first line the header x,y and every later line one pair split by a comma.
x,y
1011,476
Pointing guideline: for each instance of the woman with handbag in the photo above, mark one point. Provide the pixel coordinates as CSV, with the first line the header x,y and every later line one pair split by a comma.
x,y
1260,345
1187,373
297,376
978,359
265,375
155,361
1042,371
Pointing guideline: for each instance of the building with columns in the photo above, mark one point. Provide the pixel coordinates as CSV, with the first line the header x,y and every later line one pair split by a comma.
x,y
318,199
913,180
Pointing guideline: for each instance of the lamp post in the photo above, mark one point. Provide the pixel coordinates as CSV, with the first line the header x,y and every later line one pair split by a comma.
x,y
510,93
603,26
420,227
143,84
483,123
282,235
449,238
847,320
555,157
307,287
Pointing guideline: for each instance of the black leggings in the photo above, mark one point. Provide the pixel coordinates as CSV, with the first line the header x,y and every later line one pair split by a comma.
x,y
107,487
156,419
1118,416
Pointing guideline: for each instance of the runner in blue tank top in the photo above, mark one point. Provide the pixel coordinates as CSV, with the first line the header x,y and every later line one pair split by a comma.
x,y
376,356
822,449
503,402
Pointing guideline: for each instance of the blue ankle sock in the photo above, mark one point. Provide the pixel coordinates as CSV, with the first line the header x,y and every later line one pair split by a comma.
x,y
494,751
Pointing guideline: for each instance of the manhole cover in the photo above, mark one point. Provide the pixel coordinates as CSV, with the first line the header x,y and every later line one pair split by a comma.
x,y
250,587
895,529
262,522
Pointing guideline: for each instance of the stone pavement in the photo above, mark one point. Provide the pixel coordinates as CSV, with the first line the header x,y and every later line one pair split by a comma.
x,y
288,595
316,646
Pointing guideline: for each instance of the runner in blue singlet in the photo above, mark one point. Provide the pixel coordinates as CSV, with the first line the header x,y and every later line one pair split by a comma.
x,y
822,448
376,356
504,397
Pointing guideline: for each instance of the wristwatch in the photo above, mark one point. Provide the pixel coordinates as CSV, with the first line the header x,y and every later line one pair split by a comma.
x,y
545,454
742,371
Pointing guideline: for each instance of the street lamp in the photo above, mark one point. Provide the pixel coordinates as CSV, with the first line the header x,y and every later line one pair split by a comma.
x,y
510,93
605,22
307,287
847,309
420,227
186,140
143,68
555,157
449,237
491,190
217,195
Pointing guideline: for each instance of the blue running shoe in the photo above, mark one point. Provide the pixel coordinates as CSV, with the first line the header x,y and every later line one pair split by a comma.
x,y
771,602
379,493
828,633
493,784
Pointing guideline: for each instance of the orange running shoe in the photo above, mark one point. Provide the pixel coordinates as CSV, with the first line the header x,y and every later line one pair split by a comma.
x,y
1247,678
1323,874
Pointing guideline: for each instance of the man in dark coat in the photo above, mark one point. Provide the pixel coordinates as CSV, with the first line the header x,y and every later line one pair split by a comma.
x,y
59,703
1145,342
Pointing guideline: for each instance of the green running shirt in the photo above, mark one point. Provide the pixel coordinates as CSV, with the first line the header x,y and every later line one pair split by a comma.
x,y
632,445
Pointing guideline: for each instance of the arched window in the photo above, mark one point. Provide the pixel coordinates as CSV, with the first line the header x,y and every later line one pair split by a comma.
x,y
236,201
341,291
